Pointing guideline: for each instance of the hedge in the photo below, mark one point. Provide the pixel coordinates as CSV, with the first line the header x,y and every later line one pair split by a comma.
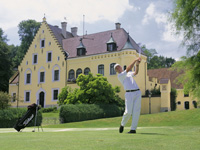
x,y
9,117
50,109
81,112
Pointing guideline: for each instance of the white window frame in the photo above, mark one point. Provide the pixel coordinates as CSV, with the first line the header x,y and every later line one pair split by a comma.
x,y
25,76
52,96
41,43
33,58
110,69
47,56
55,66
39,74
25,96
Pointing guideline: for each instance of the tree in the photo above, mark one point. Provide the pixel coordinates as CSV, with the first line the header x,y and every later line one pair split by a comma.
x,y
186,18
149,53
191,78
27,32
93,90
5,100
5,63
63,95
3,38
154,61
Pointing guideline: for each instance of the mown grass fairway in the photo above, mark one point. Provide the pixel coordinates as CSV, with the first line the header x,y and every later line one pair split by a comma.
x,y
165,134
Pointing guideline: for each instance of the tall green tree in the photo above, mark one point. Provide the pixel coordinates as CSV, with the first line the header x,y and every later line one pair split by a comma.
x,y
191,78
154,61
186,18
150,53
5,63
27,32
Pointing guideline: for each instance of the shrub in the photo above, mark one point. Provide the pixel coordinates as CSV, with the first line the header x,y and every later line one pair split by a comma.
x,y
93,90
63,95
50,109
9,117
5,100
81,112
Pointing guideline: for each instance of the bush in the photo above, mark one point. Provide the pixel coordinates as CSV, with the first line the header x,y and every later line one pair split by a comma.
x,y
5,100
9,117
81,112
93,90
50,109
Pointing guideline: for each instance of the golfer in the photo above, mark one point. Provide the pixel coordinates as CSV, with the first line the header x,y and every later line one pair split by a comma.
x,y
132,95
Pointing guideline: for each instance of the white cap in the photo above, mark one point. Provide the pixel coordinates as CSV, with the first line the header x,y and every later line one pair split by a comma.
x,y
116,65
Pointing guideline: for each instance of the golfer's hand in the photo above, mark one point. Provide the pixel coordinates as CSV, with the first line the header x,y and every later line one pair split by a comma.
x,y
138,60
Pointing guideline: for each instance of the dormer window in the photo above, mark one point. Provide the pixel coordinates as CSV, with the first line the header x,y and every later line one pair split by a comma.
x,y
111,44
81,50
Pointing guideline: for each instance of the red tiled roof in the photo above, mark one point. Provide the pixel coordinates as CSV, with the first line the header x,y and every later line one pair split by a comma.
x,y
166,73
96,43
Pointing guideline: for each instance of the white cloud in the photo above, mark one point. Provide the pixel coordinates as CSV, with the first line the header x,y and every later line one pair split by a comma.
x,y
11,13
161,19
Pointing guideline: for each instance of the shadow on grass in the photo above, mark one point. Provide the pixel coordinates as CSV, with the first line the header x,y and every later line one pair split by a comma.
x,y
151,133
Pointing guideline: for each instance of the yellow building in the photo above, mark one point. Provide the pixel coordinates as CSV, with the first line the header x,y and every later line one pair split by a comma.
x,y
165,75
56,57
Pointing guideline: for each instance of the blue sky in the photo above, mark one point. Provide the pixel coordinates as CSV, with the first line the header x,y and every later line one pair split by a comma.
x,y
145,20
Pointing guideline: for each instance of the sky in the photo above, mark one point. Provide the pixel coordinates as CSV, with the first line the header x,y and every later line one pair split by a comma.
x,y
147,21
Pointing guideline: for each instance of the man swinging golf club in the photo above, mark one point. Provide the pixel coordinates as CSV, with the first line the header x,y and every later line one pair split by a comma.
x,y
132,95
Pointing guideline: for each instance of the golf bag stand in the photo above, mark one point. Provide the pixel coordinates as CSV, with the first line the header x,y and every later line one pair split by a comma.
x,y
27,118
37,108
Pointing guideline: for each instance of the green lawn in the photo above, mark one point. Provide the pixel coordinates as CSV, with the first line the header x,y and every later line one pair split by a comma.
x,y
178,130
175,118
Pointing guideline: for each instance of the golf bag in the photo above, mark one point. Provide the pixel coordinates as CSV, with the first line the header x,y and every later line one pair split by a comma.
x,y
27,118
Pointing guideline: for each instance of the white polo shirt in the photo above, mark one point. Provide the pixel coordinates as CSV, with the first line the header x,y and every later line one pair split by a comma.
x,y
127,80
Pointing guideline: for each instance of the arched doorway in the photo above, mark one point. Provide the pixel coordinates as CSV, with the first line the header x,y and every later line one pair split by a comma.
x,y
41,99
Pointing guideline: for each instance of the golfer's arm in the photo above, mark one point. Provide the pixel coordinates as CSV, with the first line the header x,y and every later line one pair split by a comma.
x,y
136,70
130,66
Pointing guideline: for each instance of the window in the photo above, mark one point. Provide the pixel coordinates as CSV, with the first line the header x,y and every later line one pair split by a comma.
x,y
27,96
28,78
186,95
101,69
79,71
56,75
111,47
42,76
71,74
34,58
187,105
42,43
81,51
86,71
179,103
112,70
55,94
194,103
49,56
13,97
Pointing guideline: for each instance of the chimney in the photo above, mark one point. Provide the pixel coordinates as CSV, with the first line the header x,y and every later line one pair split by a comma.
x,y
74,31
118,25
64,29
